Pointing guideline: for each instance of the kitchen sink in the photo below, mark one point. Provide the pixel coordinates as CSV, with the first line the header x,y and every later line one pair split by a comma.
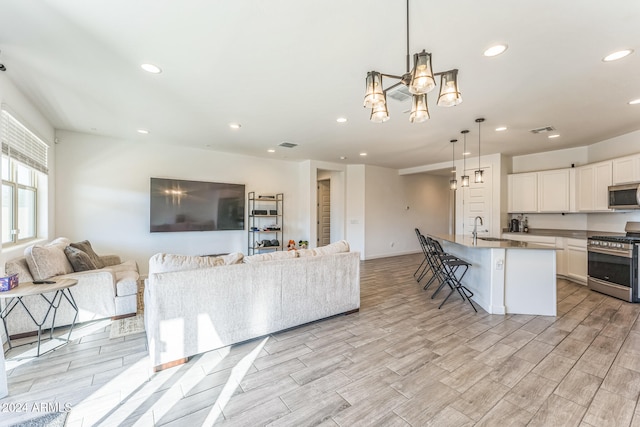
x,y
493,239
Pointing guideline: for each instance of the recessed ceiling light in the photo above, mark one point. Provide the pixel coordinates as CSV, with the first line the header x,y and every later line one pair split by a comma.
x,y
466,153
495,50
271,150
343,157
634,101
143,131
363,154
235,125
501,128
555,135
151,68
617,55
341,120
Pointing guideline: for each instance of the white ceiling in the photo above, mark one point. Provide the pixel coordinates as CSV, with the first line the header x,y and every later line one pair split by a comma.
x,y
287,69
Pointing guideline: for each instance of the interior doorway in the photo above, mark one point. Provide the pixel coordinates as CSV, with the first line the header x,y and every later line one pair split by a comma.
x,y
324,212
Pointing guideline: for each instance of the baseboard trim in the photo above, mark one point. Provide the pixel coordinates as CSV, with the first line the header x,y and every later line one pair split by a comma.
x,y
170,364
123,316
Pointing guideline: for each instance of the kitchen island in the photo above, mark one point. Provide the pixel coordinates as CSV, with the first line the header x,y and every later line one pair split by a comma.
x,y
507,276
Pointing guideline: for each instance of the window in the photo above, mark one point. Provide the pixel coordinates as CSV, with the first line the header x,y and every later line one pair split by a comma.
x,y
24,163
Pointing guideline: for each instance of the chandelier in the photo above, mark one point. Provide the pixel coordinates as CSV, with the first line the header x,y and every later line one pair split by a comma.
x,y
419,81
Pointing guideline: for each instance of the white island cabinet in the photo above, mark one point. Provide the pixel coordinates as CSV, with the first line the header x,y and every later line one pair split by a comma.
x,y
507,276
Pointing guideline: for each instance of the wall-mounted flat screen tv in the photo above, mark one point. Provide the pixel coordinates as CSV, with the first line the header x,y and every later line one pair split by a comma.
x,y
178,205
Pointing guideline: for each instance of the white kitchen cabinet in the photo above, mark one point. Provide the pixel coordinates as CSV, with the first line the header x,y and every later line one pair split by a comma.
x,y
554,191
576,259
626,170
523,192
592,182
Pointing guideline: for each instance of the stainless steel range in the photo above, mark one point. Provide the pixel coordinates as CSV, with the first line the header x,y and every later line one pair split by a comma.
x,y
613,264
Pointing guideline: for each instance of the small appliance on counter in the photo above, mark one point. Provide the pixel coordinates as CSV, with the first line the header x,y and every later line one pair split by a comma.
x,y
514,226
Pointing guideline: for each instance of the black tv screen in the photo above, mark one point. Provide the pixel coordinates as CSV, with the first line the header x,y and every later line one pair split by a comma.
x,y
178,205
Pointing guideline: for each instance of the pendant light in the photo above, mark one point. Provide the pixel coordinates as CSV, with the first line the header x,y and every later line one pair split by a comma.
x,y
465,178
479,172
453,184
419,109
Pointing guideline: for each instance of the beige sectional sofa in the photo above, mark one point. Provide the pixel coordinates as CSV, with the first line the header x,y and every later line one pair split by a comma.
x,y
214,302
109,291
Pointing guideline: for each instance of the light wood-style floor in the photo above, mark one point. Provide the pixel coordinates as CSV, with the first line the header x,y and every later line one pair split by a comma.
x,y
400,361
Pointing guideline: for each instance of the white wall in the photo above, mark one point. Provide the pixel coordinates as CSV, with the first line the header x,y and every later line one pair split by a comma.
x,y
615,147
395,205
103,194
355,204
548,160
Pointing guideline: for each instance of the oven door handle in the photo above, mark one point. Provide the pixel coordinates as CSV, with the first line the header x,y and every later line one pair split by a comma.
x,y
624,254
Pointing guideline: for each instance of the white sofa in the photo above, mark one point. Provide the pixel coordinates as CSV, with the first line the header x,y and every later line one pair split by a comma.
x,y
107,292
204,308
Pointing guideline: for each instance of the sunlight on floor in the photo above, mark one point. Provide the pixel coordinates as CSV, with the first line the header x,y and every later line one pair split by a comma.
x,y
237,374
30,348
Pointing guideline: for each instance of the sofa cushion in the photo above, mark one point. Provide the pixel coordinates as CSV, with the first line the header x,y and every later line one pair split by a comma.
x,y
20,267
333,248
164,263
85,247
79,260
48,260
126,283
268,256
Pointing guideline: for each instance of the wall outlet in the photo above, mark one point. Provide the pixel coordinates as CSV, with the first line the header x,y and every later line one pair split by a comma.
x,y
499,264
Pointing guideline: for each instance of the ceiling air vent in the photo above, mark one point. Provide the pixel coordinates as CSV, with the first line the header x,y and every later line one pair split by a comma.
x,y
543,129
399,93
287,144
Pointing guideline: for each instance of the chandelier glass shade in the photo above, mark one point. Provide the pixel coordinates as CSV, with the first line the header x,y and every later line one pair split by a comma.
x,y
422,80
419,109
374,94
379,113
453,183
449,93
419,81
465,178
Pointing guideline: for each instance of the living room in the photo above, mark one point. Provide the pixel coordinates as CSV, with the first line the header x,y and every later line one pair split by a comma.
x,y
393,178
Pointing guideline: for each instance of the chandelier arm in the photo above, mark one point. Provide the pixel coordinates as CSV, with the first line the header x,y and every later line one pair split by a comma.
x,y
391,76
444,72
391,87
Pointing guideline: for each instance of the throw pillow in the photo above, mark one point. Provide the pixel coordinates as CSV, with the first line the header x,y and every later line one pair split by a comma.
x,y
333,248
79,260
47,261
20,267
85,247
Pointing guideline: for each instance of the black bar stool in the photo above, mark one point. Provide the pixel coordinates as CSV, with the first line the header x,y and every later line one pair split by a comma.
x,y
450,266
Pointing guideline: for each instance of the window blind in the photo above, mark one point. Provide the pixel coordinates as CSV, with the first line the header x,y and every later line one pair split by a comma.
x,y
21,144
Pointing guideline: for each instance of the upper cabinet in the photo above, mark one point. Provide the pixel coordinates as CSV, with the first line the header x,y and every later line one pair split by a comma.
x,y
523,192
592,185
546,191
554,191
626,169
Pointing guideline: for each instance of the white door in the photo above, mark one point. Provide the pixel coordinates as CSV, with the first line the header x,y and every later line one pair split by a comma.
x,y
324,212
477,201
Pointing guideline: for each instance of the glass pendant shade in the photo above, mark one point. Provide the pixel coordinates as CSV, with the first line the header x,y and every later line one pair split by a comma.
x,y
449,92
465,180
422,80
419,109
379,113
453,184
374,94
479,178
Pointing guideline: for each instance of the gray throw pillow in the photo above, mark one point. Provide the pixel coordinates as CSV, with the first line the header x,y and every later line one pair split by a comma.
x,y
85,247
79,260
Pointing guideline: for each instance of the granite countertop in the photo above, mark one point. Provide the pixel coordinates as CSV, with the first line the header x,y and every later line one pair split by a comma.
x,y
487,244
574,234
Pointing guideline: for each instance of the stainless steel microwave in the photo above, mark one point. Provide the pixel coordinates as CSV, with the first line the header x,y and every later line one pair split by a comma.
x,y
625,196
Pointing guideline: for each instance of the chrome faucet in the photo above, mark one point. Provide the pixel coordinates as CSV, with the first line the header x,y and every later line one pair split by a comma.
x,y
474,233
